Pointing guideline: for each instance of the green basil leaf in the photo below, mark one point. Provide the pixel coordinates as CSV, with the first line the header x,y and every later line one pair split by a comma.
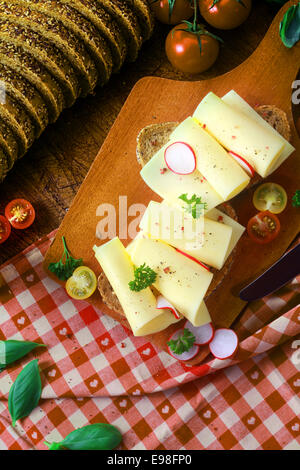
x,y
99,436
11,350
289,28
25,392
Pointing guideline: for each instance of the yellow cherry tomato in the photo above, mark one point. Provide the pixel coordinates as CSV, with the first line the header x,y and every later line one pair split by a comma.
x,y
270,197
82,284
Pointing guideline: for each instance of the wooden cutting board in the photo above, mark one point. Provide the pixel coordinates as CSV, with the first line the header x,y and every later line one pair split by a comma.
x,y
265,78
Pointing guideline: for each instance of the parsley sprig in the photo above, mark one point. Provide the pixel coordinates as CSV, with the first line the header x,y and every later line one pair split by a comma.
x,y
183,343
296,199
64,268
195,206
144,277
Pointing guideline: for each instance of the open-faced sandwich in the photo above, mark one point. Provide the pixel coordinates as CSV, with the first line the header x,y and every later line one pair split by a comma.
x,y
161,280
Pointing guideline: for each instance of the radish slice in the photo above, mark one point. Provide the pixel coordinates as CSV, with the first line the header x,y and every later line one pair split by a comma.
x,y
241,161
224,343
162,303
180,158
203,334
187,355
193,259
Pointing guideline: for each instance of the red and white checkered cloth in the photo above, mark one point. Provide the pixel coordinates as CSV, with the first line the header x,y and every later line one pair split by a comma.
x,y
94,370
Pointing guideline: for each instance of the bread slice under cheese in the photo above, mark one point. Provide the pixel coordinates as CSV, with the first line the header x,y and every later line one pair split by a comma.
x,y
150,139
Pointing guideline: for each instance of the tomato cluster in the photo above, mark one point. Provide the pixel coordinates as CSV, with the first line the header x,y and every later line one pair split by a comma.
x,y
189,46
19,214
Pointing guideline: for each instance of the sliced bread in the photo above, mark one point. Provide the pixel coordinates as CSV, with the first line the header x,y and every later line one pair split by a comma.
x,y
83,29
106,25
28,67
54,32
26,95
45,53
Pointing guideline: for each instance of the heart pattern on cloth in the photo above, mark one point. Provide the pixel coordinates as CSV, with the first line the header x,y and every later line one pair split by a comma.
x,y
34,435
165,410
207,414
30,278
52,373
297,383
94,383
63,332
251,420
296,427
21,320
105,341
123,403
136,392
146,352
254,375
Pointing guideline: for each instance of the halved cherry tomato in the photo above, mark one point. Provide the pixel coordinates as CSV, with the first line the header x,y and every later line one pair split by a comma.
x,y
270,197
263,227
180,10
5,229
20,213
82,284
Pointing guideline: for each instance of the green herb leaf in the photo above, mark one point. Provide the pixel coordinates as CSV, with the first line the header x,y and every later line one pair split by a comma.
x,y
195,206
183,343
289,28
25,392
64,268
144,277
99,436
12,350
296,199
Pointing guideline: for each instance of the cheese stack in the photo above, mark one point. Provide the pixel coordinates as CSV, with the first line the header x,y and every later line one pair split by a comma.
x,y
221,171
239,132
204,239
139,307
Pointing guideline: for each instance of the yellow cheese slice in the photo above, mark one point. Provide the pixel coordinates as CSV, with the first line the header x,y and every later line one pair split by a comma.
x,y
239,133
203,238
180,280
220,169
170,186
139,307
237,229
239,104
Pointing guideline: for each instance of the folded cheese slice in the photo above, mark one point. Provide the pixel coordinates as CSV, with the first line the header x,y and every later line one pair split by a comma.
x,y
203,238
170,186
180,280
221,170
237,229
139,307
239,133
239,104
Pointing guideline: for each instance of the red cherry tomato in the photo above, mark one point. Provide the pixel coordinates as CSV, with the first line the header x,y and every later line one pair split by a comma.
x,y
183,50
225,14
5,229
182,10
263,227
20,213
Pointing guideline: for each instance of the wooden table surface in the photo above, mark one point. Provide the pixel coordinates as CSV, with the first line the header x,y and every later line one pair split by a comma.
x,y
52,171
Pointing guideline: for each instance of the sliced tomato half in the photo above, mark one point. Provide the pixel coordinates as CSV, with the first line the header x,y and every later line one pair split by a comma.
x,y
5,229
263,227
82,284
20,213
271,197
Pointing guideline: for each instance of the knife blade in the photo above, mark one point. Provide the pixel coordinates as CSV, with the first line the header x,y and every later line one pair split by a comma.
x,y
279,274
